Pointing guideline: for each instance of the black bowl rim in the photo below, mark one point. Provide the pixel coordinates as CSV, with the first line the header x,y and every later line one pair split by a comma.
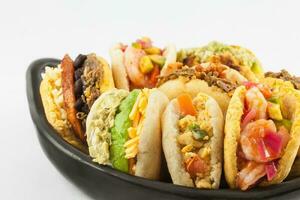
x,y
37,114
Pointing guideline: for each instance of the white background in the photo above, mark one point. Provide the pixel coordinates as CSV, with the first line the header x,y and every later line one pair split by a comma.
x,y
34,29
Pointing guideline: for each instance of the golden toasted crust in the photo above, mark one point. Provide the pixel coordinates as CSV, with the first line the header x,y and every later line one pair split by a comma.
x,y
232,134
107,81
55,117
172,149
149,156
291,102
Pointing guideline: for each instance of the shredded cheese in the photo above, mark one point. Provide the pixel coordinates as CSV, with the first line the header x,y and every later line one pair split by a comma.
x,y
137,116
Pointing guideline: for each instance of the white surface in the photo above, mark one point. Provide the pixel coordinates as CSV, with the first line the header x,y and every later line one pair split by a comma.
x,y
33,29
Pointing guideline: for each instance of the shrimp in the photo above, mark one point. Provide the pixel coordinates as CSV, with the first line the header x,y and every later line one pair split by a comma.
x,y
132,57
251,135
256,100
250,175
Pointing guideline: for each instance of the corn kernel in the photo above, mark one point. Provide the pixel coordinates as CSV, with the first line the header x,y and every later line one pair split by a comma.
x,y
187,148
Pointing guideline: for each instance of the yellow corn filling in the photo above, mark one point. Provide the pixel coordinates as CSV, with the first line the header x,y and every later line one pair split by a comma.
x,y
137,115
192,146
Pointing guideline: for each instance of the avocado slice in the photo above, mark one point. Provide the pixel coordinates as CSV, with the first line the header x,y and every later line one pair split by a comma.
x,y
119,133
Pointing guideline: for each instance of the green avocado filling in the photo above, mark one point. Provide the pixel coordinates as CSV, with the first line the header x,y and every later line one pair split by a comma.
x,y
119,134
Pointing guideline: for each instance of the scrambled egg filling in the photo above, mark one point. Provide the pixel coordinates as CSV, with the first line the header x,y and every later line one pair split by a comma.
x,y
137,116
99,138
58,114
194,140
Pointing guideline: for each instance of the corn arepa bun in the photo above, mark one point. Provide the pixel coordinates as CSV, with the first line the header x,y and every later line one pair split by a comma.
x,y
107,81
149,156
149,152
119,70
172,149
56,115
290,108
173,88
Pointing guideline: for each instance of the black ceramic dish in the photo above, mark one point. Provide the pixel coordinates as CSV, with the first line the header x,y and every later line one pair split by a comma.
x,y
103,182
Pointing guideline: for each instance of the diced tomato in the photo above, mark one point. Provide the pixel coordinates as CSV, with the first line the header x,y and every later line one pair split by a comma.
x,y
248,117
186,105
153,76
249,84
265,90
196,165
271,170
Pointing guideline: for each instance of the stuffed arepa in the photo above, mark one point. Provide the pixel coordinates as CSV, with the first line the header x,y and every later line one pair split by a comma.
x,y
262,128
192,140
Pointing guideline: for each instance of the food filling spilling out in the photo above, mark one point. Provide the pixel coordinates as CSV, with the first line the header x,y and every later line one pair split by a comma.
x,y
214,74
286,76
264,135
136,116
143,63
229,55
195,132
88,75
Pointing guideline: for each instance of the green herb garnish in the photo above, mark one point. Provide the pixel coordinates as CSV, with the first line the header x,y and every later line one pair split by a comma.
x,y
274,100
197,132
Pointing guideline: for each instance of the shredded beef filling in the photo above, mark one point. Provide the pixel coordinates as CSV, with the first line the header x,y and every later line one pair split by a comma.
x,y
284,75
212,77
225,59
87,84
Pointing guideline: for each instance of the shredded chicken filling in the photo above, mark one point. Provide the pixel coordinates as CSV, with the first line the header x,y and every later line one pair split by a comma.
x,y
194,140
